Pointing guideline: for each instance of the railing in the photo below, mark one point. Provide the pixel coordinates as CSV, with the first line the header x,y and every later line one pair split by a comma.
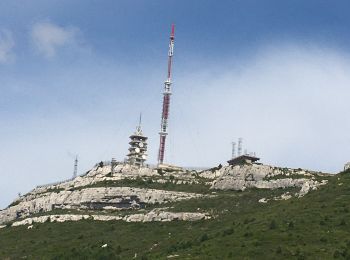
x,y
54,183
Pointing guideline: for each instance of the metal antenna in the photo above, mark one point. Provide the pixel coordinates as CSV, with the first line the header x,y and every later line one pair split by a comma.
x,y
140,120
139,126
75,172
233,150
240,141
166,100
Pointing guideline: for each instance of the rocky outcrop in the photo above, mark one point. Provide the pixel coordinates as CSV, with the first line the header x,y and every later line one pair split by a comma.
x,y
91,191
241,177
153,215
92,198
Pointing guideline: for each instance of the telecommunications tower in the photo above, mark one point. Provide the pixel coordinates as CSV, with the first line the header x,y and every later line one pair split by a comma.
x,y
75,172
166,100
240,141
233,150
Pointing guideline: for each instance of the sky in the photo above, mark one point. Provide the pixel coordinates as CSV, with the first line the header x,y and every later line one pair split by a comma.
x,y
75,75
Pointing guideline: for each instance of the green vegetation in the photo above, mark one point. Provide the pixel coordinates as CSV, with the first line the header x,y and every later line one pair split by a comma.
x,y
151,184
56,190
283,176
16,202
316,226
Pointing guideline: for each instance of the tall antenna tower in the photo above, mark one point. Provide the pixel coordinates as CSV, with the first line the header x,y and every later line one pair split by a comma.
x,y
240,141
166,100
75,172
233,150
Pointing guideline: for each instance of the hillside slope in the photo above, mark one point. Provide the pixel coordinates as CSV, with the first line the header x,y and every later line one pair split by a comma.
x,y
314,226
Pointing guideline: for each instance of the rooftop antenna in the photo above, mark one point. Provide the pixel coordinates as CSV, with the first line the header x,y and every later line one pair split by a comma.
x,y
75,172
166,100
240,141
138,128
233,150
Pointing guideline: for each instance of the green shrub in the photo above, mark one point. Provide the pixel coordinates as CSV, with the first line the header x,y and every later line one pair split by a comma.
x,y
273,224
204,237
227,232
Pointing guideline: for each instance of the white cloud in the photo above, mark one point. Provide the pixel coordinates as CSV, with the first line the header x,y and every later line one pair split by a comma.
x,y
6,45
289,103
48,37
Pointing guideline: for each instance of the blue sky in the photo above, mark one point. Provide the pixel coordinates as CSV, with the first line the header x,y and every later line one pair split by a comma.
x,y
75,75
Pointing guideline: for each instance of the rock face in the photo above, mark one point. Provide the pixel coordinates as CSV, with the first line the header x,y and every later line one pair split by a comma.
x,y
99,190
241,177
154,215
92,198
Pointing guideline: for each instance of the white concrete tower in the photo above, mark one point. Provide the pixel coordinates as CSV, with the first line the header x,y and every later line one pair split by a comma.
x,y
138,147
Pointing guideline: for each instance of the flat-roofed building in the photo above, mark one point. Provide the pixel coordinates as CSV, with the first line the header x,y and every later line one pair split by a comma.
x,y
243,159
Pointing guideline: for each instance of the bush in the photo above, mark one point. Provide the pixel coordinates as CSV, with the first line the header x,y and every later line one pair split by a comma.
x,y
278,250
291,224
204,237
323,239
227,232
273,224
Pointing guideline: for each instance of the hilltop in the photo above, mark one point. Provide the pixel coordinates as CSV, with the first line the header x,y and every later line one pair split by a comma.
x,y
224,212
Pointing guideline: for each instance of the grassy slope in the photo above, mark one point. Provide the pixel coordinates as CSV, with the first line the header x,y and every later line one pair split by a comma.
x,y
150,184
314,227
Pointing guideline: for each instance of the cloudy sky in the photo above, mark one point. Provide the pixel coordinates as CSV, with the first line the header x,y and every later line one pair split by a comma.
x,y
74,76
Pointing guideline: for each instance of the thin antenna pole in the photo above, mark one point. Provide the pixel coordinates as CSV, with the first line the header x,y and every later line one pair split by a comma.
x,y
240,141
140,120
138,128
166,100
233,150
75,172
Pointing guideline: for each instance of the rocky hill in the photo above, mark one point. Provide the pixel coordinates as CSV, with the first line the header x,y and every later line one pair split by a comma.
x,y
141,191
182,212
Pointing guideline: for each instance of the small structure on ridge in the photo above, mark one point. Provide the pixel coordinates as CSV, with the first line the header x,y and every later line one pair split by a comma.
x,y
347,166
243,159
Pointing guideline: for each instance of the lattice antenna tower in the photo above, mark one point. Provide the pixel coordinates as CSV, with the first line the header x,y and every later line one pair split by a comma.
x,y
240,143
233,150
166,100
75,172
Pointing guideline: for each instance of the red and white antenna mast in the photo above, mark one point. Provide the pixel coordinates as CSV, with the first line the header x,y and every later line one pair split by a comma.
x,y
166,99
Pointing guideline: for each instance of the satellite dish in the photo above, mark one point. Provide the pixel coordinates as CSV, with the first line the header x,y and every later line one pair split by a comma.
x,y
144,157
141,145
137,150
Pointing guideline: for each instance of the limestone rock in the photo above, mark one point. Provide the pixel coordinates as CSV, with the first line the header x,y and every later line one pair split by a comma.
x,y
241,177
154,215
92,198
